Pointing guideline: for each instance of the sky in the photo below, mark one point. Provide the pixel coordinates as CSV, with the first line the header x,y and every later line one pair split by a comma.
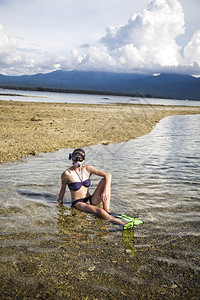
x,y
132,36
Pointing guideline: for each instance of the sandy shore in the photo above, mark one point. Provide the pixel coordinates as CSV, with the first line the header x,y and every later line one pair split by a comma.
x,y
29,128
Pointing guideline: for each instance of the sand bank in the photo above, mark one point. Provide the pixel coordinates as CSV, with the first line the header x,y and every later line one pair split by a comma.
x,y
29,128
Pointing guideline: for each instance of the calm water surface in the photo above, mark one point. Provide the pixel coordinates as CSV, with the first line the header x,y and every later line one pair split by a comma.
x,y
34,96
60,253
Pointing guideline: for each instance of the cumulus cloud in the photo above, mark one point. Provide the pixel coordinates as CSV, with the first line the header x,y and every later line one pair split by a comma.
x,y
9,57
148,42
192,50
149,37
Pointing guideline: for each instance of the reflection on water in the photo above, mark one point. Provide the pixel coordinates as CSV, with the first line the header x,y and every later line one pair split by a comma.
x,y
60,253
52,97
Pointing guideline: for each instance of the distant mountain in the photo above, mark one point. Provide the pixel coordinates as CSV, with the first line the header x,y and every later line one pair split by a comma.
x,y
164,85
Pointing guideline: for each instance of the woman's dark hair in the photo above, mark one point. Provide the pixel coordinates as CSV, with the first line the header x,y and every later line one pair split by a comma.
x,y
78,150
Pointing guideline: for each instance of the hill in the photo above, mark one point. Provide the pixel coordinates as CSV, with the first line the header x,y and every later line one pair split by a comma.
x,y
165,85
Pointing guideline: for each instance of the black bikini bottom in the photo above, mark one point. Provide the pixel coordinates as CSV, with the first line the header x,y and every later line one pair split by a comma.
x,y
86,199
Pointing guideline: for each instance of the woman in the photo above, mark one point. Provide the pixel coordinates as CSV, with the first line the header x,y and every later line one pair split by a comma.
x,y
78,180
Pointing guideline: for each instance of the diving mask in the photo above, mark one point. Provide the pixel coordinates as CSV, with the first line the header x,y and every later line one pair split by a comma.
x,y
78,156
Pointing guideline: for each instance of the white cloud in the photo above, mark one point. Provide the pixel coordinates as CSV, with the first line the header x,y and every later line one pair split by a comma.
x,y
9,57
163,20
192,50
6,43
149,36
97,59
148,42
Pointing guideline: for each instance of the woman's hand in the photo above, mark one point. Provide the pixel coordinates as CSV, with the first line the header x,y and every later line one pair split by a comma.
x,y
104,196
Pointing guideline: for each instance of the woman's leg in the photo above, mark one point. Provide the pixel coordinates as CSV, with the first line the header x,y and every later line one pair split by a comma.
x,y
96,197
97,211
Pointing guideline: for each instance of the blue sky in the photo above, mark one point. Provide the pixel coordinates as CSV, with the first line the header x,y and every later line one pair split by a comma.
x,y
150,36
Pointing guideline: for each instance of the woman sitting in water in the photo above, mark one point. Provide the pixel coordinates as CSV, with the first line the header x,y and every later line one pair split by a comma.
x,y
78,180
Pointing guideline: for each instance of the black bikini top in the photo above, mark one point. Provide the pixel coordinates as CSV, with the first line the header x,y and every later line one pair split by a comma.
x,y
75,186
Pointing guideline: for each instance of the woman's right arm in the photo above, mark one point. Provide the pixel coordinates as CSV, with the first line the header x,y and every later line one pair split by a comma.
x,y
64,181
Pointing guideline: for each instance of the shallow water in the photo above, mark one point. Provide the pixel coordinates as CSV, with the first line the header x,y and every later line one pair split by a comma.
x,y
52,97
60,253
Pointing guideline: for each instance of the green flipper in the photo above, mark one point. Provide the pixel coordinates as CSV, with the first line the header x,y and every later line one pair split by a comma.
x,y
131,224
138,222
134,221
126,218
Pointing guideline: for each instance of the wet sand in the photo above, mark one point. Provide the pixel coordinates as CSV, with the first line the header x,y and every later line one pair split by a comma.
x,y
30,128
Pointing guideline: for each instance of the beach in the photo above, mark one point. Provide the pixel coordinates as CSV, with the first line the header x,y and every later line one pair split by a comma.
x,y
29,128
58,252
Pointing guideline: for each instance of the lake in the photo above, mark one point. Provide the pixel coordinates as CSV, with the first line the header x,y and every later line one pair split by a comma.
x,y
34,96
60,253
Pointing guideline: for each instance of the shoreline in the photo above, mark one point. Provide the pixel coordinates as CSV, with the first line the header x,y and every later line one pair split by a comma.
x,y
30,128
90,92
